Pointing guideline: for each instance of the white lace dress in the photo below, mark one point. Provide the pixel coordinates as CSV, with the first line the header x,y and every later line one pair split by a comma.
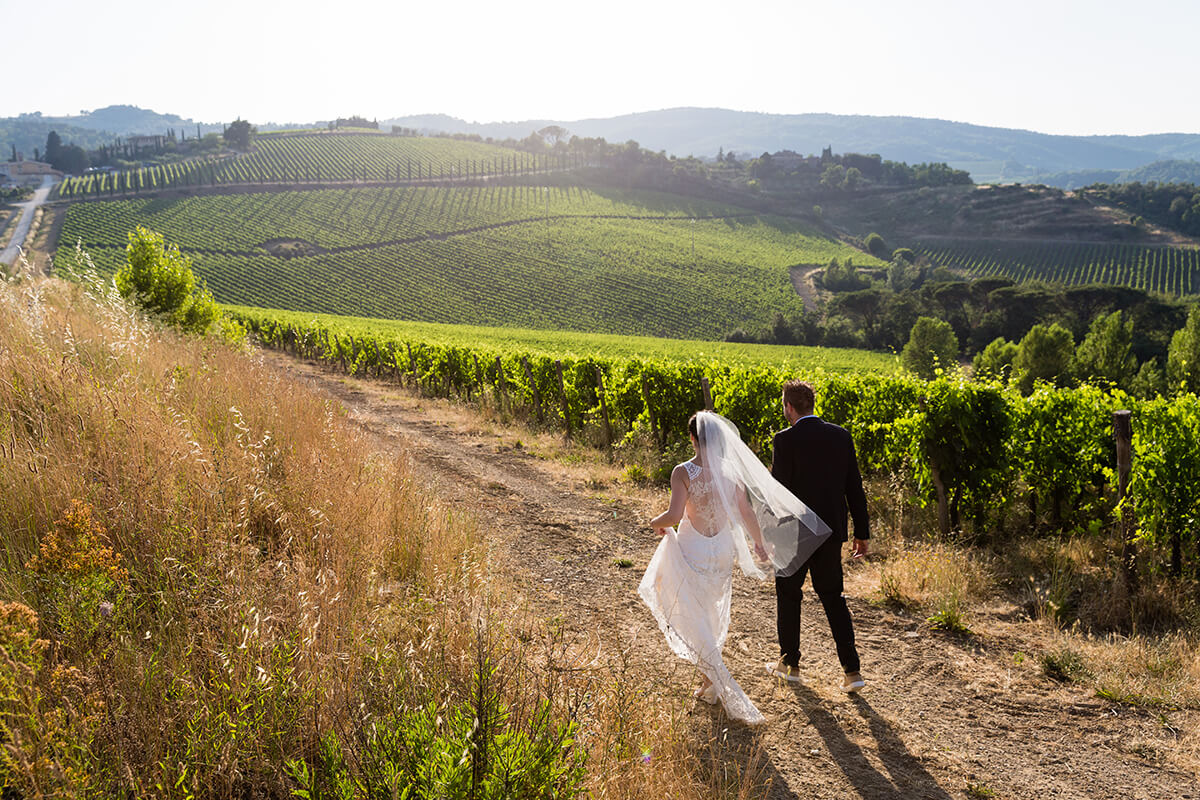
x,y
688,587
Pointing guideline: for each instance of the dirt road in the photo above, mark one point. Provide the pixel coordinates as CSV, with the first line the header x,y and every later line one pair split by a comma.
x,y
10,253
942,716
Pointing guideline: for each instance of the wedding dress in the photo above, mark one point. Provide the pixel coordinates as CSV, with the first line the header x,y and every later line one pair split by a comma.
x,y
689,582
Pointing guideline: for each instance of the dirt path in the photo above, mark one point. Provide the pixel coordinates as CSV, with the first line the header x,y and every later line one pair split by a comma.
x,y
802,281
17,242
940,715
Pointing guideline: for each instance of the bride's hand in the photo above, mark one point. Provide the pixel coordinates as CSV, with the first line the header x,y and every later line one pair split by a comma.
x,y
760,552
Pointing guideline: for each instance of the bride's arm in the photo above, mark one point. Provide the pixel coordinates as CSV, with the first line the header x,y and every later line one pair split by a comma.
x,y
751,523
679,496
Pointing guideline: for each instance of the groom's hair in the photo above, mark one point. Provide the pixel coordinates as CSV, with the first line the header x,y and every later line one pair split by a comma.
x,y
800,396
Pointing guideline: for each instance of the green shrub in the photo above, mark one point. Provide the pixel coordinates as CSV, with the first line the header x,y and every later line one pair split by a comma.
x,y
160,280
475,750
876,246
1064,665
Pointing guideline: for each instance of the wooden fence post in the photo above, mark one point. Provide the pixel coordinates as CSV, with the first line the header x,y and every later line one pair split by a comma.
x,y
706,393
537,396
562,392
1123,432
603,406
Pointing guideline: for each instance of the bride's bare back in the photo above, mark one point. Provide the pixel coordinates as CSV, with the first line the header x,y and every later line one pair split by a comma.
x,y
703,508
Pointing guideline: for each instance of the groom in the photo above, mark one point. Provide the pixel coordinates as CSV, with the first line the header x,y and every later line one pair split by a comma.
x,y
815,460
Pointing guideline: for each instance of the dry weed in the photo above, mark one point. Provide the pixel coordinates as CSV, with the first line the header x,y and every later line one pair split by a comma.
x,y
941,580
259,577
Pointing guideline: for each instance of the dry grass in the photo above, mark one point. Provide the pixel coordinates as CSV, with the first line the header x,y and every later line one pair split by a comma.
x,y
226,573
937,579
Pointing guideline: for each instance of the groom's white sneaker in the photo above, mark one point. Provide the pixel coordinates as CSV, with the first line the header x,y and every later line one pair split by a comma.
x,y
781,669
854,681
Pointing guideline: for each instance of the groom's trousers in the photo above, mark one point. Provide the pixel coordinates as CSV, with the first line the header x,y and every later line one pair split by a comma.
x,y
825,567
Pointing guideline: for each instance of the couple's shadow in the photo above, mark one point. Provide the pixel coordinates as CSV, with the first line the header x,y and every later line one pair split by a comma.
x,y
905,776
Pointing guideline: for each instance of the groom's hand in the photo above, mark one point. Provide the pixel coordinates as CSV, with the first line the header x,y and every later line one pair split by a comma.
x,y
860,548
661,531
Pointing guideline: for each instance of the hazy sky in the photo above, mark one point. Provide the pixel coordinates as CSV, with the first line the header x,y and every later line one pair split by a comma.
x,y
1057,66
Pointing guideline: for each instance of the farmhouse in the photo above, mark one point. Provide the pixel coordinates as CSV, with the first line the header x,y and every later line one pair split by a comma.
x,y
24,171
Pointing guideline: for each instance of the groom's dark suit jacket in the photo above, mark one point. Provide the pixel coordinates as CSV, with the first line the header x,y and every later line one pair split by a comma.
x,y
816,461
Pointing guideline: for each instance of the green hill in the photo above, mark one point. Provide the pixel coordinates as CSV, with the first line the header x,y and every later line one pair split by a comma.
x,y
611,261
314,157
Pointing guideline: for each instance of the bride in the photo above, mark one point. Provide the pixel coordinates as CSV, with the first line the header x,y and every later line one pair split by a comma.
x,y
726,504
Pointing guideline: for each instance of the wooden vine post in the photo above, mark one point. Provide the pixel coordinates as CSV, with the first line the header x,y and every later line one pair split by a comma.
x,y
478,379
537,396
935,473
603,407
1123,433
500,383
562,393
412,366
649,406
706,393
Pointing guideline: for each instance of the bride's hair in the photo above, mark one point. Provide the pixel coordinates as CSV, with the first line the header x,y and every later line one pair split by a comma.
x,y
694,428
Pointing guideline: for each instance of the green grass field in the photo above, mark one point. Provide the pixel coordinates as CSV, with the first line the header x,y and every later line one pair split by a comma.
x,y
609,261
562,344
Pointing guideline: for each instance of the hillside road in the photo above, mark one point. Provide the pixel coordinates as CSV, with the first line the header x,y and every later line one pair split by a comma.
x,y
10,254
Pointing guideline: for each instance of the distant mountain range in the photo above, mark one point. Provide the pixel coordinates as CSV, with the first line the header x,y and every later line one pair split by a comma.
x,y
989,154
1169,171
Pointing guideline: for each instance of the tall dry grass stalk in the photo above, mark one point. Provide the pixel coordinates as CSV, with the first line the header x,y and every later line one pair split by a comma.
x,y
223,573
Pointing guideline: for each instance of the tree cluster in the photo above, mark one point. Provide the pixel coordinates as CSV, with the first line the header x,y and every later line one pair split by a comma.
x,y
239,133
1113,334
846,172
355,122
1171,205
70,158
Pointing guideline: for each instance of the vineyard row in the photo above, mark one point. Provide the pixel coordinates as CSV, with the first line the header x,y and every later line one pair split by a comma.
x,y
1165,269
245,172
970,447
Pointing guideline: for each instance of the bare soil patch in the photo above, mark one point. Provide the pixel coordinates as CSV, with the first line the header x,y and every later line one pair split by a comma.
x,y
292,248
943,716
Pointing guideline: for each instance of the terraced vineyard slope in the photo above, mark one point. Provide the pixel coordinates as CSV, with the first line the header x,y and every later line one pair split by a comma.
x,y
560,258
1155,268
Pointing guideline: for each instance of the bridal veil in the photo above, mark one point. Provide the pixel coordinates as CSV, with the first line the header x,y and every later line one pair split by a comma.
x,y
791,530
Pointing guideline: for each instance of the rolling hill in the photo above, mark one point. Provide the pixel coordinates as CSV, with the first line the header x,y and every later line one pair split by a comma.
x,y
988,153
601,260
